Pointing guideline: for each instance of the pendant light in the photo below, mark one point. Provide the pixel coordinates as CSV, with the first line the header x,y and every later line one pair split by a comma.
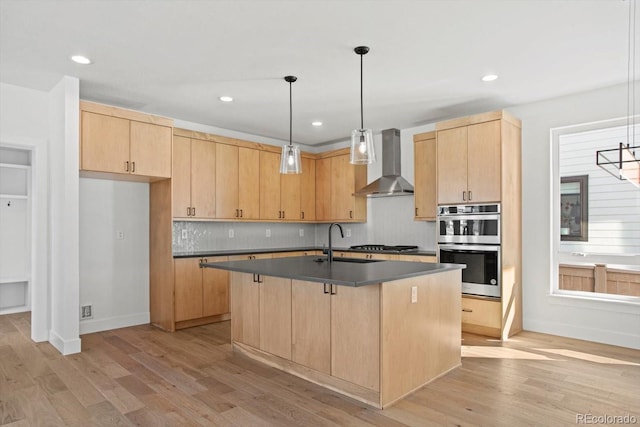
x,y
362,151
290,159
623,162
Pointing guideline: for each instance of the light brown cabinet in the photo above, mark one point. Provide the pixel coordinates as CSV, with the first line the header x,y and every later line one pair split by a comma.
x,y
199,292
337,180
329,322
245,306
479,161
469,163
237,182
425,196
194,177
119,145
308,190
281,194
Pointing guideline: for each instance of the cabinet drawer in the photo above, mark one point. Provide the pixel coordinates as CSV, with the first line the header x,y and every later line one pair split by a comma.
x,y
481,316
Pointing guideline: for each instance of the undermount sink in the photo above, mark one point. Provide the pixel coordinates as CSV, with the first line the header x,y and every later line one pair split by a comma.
x,y
353,260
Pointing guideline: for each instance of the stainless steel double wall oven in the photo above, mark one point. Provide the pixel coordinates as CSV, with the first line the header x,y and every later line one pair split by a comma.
x,y
470,234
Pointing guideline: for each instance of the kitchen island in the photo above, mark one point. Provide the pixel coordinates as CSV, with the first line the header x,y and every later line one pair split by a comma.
x,y
372,330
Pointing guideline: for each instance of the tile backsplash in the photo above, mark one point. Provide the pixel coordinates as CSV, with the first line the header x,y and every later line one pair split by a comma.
x,y
390,222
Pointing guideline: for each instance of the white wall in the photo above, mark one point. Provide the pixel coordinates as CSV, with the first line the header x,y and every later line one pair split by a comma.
x,y
608,322
24,124
64,130
114,273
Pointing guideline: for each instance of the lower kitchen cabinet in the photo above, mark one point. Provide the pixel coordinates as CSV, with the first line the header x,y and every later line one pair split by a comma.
x,y
245,306
200,293
275,303
481,316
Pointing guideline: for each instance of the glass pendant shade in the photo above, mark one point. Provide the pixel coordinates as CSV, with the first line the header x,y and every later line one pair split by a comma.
x,y
290,159
362,151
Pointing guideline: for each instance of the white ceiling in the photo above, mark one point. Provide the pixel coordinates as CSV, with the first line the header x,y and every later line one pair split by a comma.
x,y
176,57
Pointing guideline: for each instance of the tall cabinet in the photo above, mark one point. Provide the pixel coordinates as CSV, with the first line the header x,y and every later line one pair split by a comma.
x,y
479,161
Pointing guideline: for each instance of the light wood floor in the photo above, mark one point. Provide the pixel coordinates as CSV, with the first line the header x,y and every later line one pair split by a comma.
x,y
143,376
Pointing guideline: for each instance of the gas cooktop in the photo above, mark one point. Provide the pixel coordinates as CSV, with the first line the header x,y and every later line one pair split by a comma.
x,y
385,248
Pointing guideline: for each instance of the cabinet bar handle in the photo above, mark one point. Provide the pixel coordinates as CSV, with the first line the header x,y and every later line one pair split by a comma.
x,y
302,215
324,289
241,214
283,214
126,166
332,291
237,213
464,196
416,212
133,166
193,211
188,211
469,195
351,214
466,310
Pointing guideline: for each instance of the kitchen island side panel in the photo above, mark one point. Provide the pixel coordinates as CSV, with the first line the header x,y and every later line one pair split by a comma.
x,y
420,340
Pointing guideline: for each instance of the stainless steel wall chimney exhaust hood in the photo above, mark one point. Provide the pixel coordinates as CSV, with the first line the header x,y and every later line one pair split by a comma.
x,y
391,183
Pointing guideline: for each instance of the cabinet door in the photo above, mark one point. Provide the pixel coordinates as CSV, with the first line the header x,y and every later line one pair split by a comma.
x,y
311,325
342,183
355,335
483,148
452,165
270,185
181,177
308,190
275,313
105,143
227,176
203,178
290,196
245,309
150,150
215,289
249,183
323,189
425,178
188,288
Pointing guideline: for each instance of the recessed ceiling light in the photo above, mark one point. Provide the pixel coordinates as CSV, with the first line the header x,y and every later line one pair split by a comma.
x,y
226,99
79,59
489,78
316,123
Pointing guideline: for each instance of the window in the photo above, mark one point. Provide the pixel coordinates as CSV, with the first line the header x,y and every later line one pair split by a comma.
x,y
596,224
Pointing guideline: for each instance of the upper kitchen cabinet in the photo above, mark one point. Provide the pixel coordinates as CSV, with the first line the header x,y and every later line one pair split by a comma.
x,y
194,177
337,180
237,182
425,195
470,156
124,142
286,197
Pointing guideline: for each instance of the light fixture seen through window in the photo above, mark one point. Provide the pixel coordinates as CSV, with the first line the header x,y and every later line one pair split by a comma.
x,y
290,159
362,151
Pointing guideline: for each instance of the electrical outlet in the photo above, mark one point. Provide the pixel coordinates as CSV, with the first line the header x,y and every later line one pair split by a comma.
x,y
347,233
231,233
268,232
414,294
86,312
184,235
302,232
120,235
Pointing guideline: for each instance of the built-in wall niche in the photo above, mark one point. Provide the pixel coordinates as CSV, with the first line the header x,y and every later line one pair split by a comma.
x,y
15,226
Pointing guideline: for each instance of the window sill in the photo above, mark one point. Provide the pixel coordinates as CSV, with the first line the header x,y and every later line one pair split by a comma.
x,y
624,304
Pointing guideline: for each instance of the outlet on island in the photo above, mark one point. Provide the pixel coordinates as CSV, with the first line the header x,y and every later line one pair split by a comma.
x,y
268,232
231,233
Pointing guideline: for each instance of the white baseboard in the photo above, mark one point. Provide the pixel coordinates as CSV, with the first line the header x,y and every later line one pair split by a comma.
x,y
603,336
106,324
64,346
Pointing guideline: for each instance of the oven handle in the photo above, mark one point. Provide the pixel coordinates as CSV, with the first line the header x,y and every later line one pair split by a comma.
x,y
466,248
468,217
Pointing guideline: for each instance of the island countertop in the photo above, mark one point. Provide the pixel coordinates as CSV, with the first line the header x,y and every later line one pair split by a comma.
x,y
357,273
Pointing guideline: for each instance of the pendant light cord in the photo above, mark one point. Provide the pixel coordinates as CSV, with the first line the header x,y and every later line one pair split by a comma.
x,y
361,102
290,114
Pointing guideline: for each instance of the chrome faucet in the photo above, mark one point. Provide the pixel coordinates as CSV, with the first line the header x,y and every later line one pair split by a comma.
x,y
330,250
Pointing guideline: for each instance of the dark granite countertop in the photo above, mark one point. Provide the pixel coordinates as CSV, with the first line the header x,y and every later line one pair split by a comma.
x,y
339,273
227,252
